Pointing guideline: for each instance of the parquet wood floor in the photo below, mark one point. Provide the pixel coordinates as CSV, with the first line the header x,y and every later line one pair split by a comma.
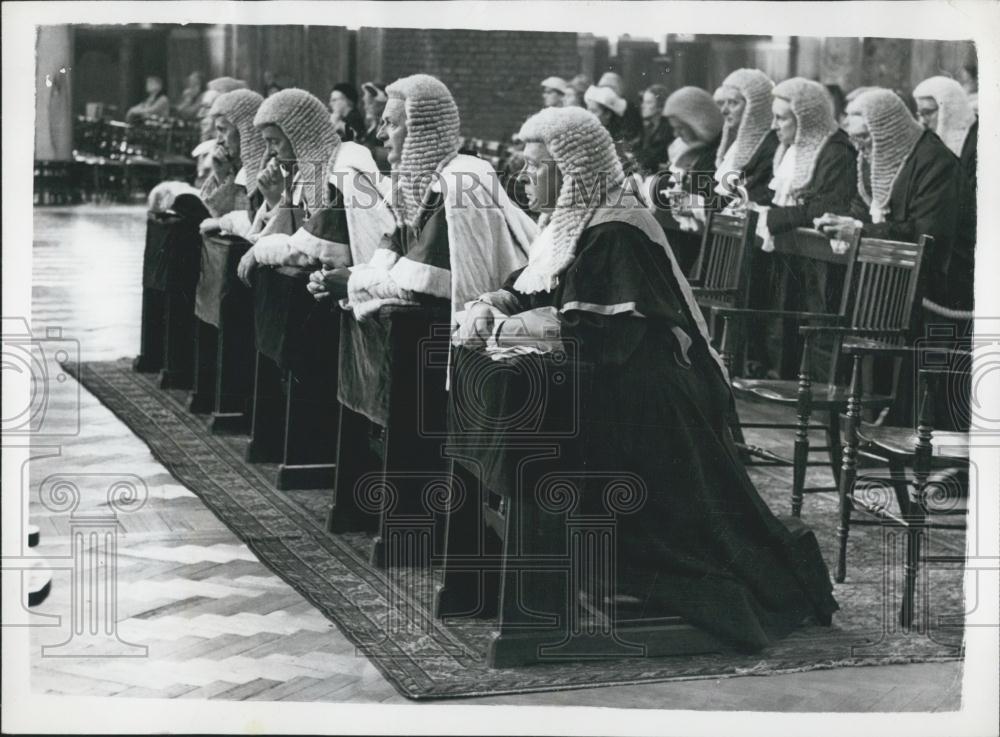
x,y
216,622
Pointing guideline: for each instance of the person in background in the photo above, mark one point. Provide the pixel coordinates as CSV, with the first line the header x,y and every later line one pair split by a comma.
x,y
576,89
969,77
554,92
839,102
696,124
189,106
703,545
719,99
651,151
215,87
944,107
156,104
373,99
344,113
609,108
631,118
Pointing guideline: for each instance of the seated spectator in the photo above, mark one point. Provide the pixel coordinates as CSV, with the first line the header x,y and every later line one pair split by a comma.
x,y
631,119
719,99
344,113
554,92
576,88
839,101
651,151
944,107
373,100
215,87
688,188
609,108
156,104
189,105
969,78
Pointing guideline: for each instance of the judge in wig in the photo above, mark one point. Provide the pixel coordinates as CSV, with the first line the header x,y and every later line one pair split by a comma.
x,y
456,233
703,545
814,170
748,144
334,189
947,109
233,114
908,185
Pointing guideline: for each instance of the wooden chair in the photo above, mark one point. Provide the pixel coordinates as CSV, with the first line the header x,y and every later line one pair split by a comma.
x,y
880,293
721,274
902,448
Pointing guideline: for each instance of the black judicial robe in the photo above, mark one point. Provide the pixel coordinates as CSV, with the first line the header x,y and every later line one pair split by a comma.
x,y
704,545
759,170
807,284
698,179
960,277
925,201
651,150
831,188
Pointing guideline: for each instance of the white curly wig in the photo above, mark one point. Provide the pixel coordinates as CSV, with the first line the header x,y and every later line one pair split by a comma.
x,y
432,140
586,158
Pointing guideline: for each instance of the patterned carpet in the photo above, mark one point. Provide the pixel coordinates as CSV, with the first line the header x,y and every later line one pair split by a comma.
x,y
425,659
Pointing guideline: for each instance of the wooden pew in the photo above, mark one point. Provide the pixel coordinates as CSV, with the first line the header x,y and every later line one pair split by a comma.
x,y
294,417
225,350
520,540
392,394
171,264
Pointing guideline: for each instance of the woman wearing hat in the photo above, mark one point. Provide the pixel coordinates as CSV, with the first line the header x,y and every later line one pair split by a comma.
x,y
554,92
688,186
344,113
651,151
610,107
701,544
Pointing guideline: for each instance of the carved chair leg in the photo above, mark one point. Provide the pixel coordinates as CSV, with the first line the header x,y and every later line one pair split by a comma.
x,y
848,472
801,452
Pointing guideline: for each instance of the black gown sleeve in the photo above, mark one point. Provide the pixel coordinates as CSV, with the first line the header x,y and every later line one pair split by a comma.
x,y
833,184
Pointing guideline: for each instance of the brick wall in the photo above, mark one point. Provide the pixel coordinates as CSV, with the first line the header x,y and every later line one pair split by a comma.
x,y
494,75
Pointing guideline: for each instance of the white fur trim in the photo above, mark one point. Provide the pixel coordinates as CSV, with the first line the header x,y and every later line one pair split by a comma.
x,y
320,249
423,278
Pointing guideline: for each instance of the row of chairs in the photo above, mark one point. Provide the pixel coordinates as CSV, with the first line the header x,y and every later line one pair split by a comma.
x,y
880,292
113,160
